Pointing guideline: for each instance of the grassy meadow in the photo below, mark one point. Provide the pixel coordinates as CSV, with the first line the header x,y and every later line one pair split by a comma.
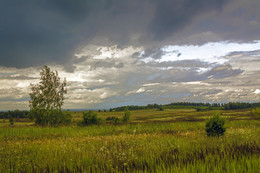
x,y
172,140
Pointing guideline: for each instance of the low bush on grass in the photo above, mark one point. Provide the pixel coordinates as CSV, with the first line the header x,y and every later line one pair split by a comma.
x,y
51,117
11,121
256,111
160,108
126,117
114,119
215,126
90,118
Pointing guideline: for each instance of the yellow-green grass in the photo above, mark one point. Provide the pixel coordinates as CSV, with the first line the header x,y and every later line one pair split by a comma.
x,y
156,141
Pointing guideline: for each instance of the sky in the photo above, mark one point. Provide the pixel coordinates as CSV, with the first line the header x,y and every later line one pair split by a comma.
x,y
131,52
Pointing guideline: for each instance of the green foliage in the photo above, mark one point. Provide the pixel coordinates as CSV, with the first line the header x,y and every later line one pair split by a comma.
x,y
90,118
114,119
184,105
47,98
126,117
14,114
256,111
215,126
52,117
160,108
203,108
11,121
49,93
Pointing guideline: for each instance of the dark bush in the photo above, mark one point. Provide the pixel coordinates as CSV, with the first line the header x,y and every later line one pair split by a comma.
x,y
215,126
256,111
90,118
160,108
114,119
51,117
126,117
11,121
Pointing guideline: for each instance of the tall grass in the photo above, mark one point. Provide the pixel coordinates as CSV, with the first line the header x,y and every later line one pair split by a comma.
x,y
141,147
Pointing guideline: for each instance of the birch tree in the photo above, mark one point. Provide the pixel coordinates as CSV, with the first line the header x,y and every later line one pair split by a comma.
x,y
47,97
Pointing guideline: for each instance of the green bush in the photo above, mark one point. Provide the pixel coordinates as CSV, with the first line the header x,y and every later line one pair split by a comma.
x,y
11,121
215,126
160,108
256,111
203,108
114,119
90,118
126,117
51,117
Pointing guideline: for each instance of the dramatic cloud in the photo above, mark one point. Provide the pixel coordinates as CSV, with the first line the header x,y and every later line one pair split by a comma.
x,y
37,32
123,52
110,76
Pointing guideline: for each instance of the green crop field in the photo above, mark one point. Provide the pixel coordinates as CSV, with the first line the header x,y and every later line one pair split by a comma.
x,y
172,140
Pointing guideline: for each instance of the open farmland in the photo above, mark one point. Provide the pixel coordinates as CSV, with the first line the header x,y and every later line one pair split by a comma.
x,y
172,140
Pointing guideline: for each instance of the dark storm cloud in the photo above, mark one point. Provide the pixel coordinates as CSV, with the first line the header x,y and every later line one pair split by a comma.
x,y
171,16
36,32
51,31
239,20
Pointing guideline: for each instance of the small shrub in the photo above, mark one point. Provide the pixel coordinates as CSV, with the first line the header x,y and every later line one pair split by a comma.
x,y
256,111
160,108
126,117
114,119
66,117
90,118
11,121
198,109
215,126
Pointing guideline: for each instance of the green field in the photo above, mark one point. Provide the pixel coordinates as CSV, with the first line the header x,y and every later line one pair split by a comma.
x,y
173,140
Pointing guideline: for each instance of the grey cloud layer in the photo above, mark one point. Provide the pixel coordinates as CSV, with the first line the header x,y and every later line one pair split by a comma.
x,y
51,31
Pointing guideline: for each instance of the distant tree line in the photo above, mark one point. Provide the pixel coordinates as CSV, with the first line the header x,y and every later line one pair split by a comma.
x,y
240,105
14,114
199,106
135,107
